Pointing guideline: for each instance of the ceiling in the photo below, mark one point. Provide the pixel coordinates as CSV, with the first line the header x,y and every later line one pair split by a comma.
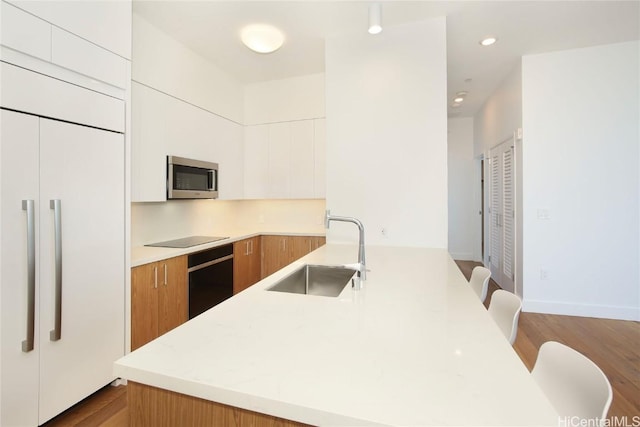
x,y
211,28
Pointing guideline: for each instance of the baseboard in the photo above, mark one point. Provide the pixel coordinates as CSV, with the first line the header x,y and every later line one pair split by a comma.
x,y
582,310
463,256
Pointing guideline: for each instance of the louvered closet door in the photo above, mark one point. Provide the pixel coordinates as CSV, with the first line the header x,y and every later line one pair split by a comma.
x,y
502,231
495,208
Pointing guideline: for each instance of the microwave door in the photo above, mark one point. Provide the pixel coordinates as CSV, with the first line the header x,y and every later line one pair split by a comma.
x,y
191,179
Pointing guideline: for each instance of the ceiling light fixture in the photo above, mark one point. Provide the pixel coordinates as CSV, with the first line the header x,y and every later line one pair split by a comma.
x,y
488,41
458,99
375,19
262,38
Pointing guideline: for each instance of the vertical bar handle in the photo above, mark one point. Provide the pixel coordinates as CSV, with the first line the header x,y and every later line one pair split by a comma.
x,y
155,276
246,248
56,205
165,274
27,344
251,243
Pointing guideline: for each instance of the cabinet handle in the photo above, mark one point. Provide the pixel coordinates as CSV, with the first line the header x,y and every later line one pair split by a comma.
x,y
56,205
284,245
246,248
251,250
27,344
165,274
155,277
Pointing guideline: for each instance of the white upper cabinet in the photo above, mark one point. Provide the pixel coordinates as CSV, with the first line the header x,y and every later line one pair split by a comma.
x,y
149,146
256,152
301,165
285,160
103,23
319,158
81,42
76,54
163,125
25,33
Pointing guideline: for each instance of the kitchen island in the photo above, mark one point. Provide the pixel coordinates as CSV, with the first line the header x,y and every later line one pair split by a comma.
x,y
414,347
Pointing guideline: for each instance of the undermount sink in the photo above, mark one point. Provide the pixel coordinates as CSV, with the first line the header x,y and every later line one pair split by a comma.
x,y
310,279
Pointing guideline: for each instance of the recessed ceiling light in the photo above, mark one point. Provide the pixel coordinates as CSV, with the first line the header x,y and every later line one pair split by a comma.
x,y
488,41
262,38
458,99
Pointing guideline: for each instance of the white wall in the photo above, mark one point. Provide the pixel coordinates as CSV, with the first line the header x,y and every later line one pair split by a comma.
x,y
386,134
464,191
168,66
296,98
581,163
496,122
500,115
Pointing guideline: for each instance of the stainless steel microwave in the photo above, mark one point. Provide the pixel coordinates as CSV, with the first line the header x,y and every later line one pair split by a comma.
x,y
191,179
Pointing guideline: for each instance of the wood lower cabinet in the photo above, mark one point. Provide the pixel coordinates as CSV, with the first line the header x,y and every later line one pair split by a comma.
x,y
247,258
159,299
280,251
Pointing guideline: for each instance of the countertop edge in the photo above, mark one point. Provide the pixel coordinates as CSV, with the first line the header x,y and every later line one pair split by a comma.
x,y
141,255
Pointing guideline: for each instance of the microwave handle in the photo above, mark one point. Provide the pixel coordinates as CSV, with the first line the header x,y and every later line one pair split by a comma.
x,y
213,180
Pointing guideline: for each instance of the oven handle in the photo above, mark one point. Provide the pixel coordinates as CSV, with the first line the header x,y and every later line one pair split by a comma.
x,y
210,263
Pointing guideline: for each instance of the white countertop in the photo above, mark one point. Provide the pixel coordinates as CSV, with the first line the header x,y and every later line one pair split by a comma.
x,y
145,254
414,347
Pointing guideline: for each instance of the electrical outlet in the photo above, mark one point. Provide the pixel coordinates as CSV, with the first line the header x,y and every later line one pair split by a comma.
x,y
544,214
544,274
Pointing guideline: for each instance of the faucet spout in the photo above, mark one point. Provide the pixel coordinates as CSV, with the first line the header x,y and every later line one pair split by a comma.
x,y
362,270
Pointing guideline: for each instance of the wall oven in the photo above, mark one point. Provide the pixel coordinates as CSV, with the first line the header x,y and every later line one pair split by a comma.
x,y
210,278
191,179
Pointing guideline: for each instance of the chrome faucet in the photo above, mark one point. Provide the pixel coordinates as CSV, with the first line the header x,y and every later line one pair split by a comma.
x,y
362,266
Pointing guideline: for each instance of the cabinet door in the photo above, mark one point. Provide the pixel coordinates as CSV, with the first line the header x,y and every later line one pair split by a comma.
x,y
319,158
276,254
300,246
149,144
173,304
241,265
18,182
83,168
256,157
247,259
318,241
144,304
255,256
301,160
279,154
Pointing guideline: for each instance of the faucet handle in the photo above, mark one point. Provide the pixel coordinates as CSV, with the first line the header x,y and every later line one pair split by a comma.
x,y
327,218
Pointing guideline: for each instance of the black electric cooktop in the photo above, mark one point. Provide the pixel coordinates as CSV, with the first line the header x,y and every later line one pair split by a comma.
x,y
187,242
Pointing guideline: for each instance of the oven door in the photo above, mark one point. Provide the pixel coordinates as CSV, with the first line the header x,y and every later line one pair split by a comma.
x,y
210,278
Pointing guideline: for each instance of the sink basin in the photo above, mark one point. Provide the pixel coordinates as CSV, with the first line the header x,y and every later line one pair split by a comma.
x,y
323,280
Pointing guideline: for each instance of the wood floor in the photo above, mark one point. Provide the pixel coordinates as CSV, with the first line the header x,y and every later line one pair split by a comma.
x,y
614,345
